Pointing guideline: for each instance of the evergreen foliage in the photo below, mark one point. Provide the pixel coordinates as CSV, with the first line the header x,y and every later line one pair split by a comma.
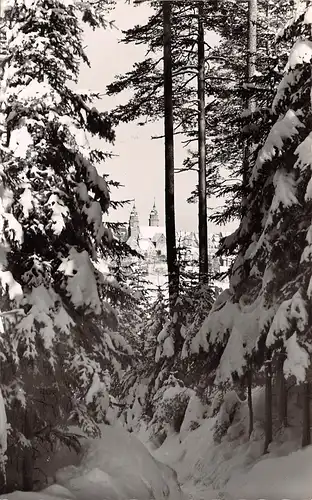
x,y
263,320
59,346
80,332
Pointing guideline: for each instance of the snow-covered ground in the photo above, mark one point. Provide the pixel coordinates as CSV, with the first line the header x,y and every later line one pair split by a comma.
x,y
120,467
235,468
115,467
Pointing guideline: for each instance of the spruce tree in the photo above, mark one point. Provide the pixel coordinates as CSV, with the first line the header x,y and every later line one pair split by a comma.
x,y
265,315
188,59
138,388
59,345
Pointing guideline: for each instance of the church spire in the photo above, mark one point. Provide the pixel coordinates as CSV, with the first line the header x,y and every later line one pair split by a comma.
x,y
134,224
134,210
153,218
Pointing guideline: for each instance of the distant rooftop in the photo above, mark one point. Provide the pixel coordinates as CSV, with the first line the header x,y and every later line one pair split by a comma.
x,y
148,232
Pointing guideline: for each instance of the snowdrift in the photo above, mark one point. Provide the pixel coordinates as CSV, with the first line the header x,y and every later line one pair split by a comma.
x,y
276,478
234,467
54,492
119,467
115,467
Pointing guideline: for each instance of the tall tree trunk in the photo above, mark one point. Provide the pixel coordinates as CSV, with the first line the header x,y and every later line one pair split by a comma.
x,y
252,48
267,42
250,102
306,424
3,53
173,270
202,192
28,464
281,391
249,398
268,403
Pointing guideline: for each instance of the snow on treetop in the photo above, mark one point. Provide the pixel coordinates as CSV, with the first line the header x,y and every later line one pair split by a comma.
x,y
59,213
300,53
165,347
39,91
63,321
26,200
84,366
94,178
43,312
285,188
215,327
288,311
280,324
285,128
14,227
20,141
81,284
298,359
304,152
168,347
76,131
233,358
307,252
97,387
238,326
94,216
14,288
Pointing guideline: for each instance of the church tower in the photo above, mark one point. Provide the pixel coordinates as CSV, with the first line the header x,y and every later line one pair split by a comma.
x,y
153,218
134,225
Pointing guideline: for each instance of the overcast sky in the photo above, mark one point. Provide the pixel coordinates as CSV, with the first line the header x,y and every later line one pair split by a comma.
x,y
139,165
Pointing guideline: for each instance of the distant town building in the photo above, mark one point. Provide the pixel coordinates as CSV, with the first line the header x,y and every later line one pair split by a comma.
x,y
150,241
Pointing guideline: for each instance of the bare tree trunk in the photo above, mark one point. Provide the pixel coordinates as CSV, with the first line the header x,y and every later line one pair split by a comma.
x,y
268,403
249,397
267,42
250,73
241,388
252,48
202,191
28,464
282,391
173,271
306,430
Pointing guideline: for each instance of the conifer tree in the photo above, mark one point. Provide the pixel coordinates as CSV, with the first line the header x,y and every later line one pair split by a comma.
x,y
173,270
130,298
59,343
138,388
188,50
266,314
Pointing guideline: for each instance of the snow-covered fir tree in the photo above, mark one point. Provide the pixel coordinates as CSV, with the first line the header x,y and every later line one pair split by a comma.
x,y
130,297
158,390
264,318
138,384
59,344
